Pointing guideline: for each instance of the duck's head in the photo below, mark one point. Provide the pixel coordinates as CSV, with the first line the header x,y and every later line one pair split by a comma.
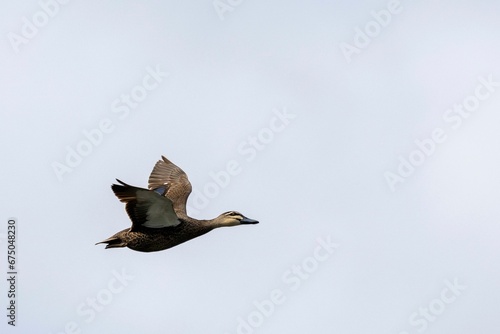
x,y
233,218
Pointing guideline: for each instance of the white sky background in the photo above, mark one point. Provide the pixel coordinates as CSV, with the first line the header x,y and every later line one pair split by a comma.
x,y
321,177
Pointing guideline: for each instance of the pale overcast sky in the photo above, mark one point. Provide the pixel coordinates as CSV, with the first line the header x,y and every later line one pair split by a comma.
x,y
364,138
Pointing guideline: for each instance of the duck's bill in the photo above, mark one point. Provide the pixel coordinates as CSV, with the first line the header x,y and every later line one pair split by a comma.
x,y
246,220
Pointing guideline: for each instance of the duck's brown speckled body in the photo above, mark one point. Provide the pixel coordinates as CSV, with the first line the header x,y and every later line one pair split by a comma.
x,y
158,214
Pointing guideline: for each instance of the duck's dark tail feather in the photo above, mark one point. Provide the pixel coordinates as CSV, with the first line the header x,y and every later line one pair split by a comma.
x,y
113,242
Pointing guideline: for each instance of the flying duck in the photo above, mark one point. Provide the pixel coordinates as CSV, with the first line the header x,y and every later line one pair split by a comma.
x,y
158,214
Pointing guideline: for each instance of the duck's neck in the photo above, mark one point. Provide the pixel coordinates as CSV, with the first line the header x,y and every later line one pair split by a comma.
x,y
202,225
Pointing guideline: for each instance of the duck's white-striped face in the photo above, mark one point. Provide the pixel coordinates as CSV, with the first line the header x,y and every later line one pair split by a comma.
x,y
232,218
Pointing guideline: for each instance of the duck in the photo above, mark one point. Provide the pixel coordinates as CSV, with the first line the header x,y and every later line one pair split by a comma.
x,y
158,214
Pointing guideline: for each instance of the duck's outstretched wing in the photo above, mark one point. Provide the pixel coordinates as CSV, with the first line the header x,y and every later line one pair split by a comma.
x,y
146,208
175,183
